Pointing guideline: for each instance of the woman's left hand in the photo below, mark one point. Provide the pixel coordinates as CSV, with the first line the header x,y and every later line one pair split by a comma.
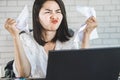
x,y
91,25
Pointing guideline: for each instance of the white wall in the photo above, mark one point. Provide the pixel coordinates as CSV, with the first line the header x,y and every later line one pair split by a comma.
x,y
108,16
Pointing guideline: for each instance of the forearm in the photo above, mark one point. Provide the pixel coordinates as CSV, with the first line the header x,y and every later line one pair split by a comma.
x,y
21,61
85,41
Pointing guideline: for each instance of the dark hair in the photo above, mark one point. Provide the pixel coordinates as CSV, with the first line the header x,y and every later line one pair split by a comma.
x,y
62,33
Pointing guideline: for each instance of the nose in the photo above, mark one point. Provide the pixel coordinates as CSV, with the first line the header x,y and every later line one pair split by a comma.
x,y
53,16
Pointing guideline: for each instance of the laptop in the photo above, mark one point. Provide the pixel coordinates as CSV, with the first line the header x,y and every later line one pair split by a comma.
x,y
84,64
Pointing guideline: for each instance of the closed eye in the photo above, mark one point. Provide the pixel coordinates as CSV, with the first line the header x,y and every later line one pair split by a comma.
x,y
58,11
47,12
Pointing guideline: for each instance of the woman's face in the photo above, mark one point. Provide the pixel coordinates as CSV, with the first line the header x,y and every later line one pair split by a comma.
x,y
50,16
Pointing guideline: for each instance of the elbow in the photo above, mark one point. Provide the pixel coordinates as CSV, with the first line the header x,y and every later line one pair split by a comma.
x,y
24,74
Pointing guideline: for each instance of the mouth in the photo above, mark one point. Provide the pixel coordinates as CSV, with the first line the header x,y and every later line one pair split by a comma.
x,y
54,21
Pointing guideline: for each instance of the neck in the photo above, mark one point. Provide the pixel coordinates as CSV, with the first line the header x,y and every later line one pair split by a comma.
x,y
49,35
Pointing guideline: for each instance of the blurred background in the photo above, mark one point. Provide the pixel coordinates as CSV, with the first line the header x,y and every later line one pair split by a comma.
x,y
107,12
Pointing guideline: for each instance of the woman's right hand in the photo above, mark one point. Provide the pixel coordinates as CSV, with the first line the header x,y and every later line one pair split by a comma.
x,y
10,25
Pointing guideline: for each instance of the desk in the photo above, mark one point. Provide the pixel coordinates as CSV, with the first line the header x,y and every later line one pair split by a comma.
x,y
28,79
22,79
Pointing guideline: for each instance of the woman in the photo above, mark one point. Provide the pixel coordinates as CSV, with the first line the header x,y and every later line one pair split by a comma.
x,y
50,31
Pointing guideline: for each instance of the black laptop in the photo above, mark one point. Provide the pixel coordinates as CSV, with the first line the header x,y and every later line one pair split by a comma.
x,y
84,64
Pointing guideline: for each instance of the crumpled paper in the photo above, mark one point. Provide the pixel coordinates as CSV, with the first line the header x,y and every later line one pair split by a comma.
x,y
87,12
22,20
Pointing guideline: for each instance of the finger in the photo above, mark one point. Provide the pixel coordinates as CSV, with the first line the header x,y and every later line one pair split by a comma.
x,y
94,19
6,23
87,30
89,20
91,25
9,22
12,21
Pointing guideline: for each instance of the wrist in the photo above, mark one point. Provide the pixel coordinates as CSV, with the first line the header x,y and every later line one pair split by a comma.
x,y
17,35
86,36
85,40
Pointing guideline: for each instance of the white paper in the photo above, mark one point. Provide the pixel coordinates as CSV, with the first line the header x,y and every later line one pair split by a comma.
x,y
87,12
22,20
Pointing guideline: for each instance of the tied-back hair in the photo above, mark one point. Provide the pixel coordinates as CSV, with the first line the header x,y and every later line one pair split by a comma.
x,y
62,33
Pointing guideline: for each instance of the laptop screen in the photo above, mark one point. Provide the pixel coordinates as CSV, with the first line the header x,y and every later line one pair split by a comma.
x,y
84,64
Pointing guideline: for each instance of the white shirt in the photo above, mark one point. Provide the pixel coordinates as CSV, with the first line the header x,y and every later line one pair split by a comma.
x,y
37,56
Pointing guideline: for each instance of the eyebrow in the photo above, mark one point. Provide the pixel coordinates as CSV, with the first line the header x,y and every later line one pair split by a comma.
x,y
58,10
48,10
51,10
